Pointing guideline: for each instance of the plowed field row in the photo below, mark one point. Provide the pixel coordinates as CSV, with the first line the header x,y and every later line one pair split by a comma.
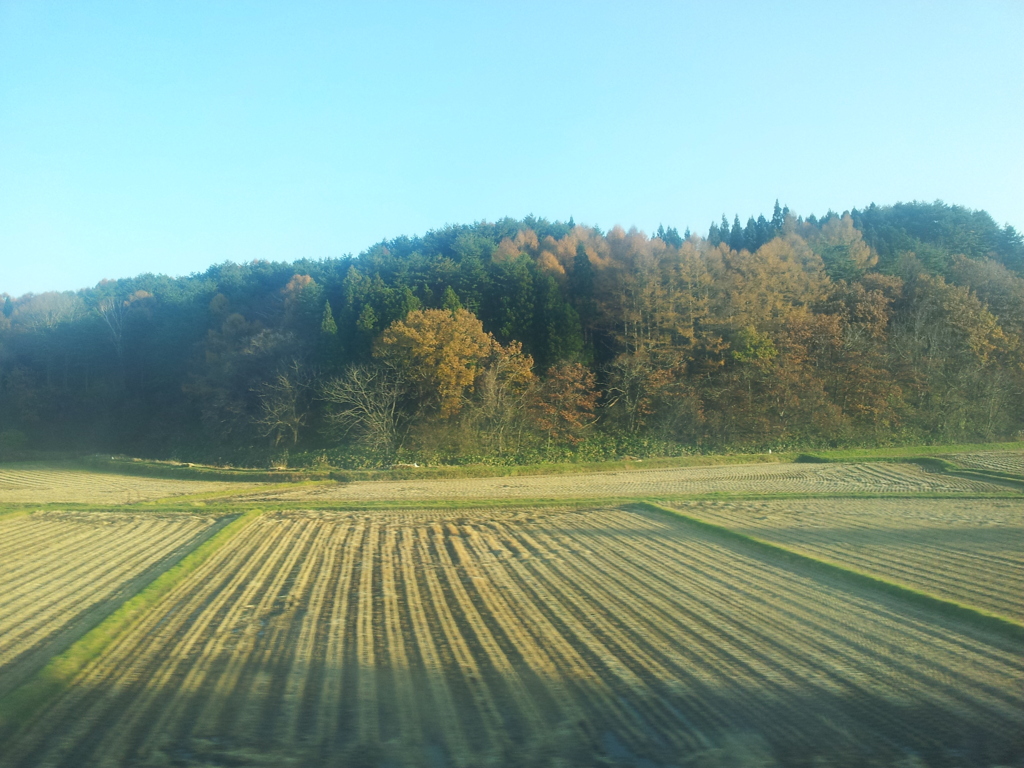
x,y
58,569
520,638
750,478
971,552
25,484
1000,461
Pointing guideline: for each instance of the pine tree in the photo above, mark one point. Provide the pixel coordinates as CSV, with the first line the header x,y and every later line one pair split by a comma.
x,y
778,217
582,279
764,231
451,300
581,292
750,239
736,239
327,324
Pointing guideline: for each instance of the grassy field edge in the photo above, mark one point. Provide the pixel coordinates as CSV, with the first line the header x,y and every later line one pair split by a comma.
x,y
183,471
188,505
21,705
1000,625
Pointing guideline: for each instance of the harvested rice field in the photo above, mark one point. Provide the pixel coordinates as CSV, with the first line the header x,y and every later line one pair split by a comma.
x,y
62,572
554,637
42,484
1000,461
967,551
882,478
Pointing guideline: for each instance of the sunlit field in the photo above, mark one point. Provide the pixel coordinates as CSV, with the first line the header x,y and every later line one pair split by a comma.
x,y
783,478
572,633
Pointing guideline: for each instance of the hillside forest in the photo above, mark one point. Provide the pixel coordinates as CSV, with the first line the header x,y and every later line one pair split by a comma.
x,y
531,340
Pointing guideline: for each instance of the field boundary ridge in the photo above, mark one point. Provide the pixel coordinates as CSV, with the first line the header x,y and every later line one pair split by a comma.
x,y
21,705
991,622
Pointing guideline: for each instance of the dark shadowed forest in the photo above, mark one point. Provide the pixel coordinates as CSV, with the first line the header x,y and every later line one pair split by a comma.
x,y
520,341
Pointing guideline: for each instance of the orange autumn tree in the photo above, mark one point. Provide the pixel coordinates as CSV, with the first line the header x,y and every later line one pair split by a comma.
x,y
440,353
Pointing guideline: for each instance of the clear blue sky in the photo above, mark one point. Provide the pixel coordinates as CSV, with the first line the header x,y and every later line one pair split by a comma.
x,y
168,136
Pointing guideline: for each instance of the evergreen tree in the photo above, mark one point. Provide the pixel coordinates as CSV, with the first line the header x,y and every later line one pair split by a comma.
x,y
451,300
558,334
327,324
750,239
736,239
714,234
581,292
581,281
671,237
764,231
778,218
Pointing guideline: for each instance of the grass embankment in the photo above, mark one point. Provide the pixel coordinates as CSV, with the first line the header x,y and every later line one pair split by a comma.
x,y
189,505
177,471
21,705
1003,626
182,471
906,451
451,472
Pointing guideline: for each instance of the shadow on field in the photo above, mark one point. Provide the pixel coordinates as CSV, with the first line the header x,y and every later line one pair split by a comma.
x,y
729,726
83,617
1001,538
640,642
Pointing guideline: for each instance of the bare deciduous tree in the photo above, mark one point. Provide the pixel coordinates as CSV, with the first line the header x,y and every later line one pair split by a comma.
x,y
284,403
368,400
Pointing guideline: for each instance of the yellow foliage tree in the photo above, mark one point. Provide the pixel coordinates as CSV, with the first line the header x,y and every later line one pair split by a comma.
x,y
841,247
439,352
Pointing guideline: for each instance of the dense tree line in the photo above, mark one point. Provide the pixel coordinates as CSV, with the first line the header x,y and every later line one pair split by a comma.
x,y
530,339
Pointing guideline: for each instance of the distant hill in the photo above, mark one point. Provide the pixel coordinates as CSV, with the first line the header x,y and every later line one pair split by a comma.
x,y
528,340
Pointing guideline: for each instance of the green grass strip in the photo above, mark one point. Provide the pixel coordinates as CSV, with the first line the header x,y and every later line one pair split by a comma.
x,y
901,452
21,705
999,625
